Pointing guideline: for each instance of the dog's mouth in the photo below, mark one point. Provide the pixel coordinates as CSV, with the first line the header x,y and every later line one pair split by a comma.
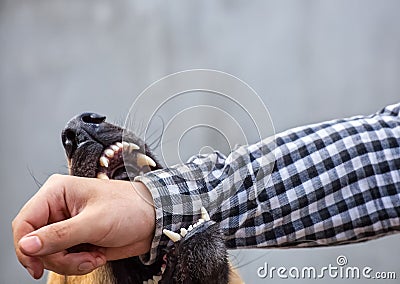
x,y
123,161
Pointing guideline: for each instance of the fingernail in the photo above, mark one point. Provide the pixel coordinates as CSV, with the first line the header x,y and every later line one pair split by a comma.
x,y
31,272
30,244
86,266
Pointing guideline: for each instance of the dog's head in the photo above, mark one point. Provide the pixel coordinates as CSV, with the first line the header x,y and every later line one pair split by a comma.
x,y
94,148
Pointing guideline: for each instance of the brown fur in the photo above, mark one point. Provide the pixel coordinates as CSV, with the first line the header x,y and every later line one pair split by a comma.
x,y
103,275
100,275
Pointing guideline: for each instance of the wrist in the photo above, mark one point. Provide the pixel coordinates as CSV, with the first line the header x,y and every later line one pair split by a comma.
x,y
145,199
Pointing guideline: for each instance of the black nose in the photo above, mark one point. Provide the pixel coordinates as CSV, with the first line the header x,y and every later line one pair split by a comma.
x,y
71,134
93,118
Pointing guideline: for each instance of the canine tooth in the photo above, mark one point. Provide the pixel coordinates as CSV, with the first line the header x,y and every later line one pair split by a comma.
x,y
172,235
143,160
119,144
114,147
104,161
125,145
102,176
163,267
109,153
204,214
150,281
183,232
190,228
145,282
133,147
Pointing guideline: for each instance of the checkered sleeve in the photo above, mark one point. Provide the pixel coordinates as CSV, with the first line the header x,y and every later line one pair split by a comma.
x,y
322,184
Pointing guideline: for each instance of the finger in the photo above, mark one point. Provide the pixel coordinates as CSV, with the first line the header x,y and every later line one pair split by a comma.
x,y
74,263
36,212
22,225
33,265
57,237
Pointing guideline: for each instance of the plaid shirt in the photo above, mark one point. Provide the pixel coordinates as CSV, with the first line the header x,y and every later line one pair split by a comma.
x,y
323,184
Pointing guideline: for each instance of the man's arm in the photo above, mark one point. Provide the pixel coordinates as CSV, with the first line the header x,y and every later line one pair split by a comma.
x,y
322,184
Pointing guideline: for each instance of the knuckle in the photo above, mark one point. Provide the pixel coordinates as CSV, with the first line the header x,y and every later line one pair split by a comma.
x,y
54,182
54,178
60,232
16,224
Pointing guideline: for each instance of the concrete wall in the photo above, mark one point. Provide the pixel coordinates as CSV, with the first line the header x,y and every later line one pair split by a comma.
x,y
308,60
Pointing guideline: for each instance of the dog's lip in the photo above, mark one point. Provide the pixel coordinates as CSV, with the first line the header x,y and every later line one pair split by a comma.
x,y
111,160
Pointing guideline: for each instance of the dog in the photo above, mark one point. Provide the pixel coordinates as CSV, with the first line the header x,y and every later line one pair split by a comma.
x,y
94,148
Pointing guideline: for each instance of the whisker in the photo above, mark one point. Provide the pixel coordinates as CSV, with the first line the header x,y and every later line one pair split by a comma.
x,y
159,137
240,264
37,182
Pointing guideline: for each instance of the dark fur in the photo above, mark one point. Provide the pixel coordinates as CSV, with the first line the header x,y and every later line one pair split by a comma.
x,y
200,257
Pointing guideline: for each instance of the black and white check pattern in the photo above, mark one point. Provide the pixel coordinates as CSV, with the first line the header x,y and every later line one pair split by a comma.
x,y
322,184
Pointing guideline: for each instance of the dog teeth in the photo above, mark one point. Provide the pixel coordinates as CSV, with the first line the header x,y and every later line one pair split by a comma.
x,y
172,235
104,161
204,214
150,281
114,150
130,147
183,232
102,176
143,160
133,146
109,153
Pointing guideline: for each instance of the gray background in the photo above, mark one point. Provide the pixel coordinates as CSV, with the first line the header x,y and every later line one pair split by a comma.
x,y
308,60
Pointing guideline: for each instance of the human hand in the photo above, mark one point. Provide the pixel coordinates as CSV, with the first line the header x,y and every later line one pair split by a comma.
x,y
116,218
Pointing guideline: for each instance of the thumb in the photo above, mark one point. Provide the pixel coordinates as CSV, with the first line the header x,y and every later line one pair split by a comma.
x,y
56,237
